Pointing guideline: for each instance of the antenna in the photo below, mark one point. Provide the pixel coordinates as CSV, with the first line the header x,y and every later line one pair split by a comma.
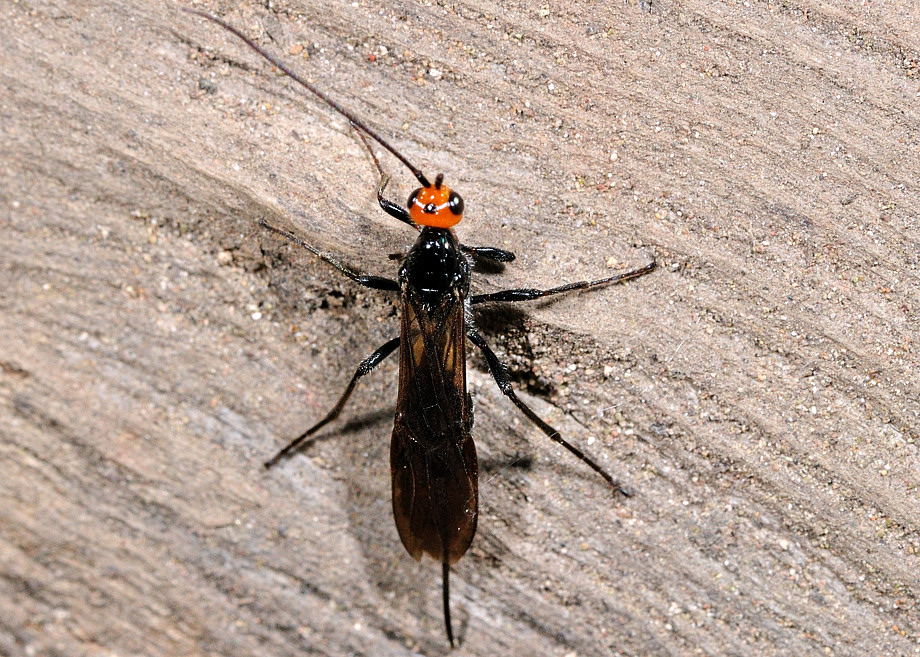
x,y
358,123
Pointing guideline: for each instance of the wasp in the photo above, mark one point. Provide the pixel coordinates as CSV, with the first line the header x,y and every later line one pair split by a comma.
x,y
435,486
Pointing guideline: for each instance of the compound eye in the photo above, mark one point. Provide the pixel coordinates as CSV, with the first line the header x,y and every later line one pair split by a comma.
x,y
455,204
412,197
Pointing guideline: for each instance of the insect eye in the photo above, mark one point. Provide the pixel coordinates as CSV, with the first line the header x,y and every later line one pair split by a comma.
x,y
455,204
412,197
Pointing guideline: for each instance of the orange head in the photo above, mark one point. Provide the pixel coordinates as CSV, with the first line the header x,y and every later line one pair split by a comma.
x,y
435,205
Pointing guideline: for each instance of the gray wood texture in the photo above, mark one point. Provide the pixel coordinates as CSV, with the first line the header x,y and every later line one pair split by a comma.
x,y
758,393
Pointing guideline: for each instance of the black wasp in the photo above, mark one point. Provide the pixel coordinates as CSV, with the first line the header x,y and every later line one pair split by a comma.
x,y
432,455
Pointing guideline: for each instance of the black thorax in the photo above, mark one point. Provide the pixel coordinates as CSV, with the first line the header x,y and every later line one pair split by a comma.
x,y
435,267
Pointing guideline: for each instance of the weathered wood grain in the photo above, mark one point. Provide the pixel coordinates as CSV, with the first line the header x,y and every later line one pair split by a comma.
x,y
759,392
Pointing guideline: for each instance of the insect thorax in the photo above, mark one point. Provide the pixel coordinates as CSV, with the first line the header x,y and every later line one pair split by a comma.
x,y
435,267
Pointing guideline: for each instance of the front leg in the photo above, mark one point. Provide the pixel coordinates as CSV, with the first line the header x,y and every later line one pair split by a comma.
x,y
367,280
393,209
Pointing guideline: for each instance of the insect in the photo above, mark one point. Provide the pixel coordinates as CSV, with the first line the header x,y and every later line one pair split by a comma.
x,y
433,462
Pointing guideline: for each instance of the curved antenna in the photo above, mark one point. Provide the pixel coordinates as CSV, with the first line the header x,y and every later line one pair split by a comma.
x,y
316,92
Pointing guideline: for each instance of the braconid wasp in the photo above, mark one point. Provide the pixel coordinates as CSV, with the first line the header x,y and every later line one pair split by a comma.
x,y
433,462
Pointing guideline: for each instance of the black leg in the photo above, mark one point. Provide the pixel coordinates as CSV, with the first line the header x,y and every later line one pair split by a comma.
x,y
489,253
365,367
393,209
504,384
527,294
373,282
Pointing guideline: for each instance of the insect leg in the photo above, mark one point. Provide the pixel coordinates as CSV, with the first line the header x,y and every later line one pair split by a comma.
x,y
504,384
373,282
365,367
527,294
393,209
489,253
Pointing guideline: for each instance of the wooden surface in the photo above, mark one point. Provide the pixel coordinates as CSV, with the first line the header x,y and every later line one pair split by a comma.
x,y
758,393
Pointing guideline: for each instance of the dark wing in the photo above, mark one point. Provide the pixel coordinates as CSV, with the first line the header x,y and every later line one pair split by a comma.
x,y
432,456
